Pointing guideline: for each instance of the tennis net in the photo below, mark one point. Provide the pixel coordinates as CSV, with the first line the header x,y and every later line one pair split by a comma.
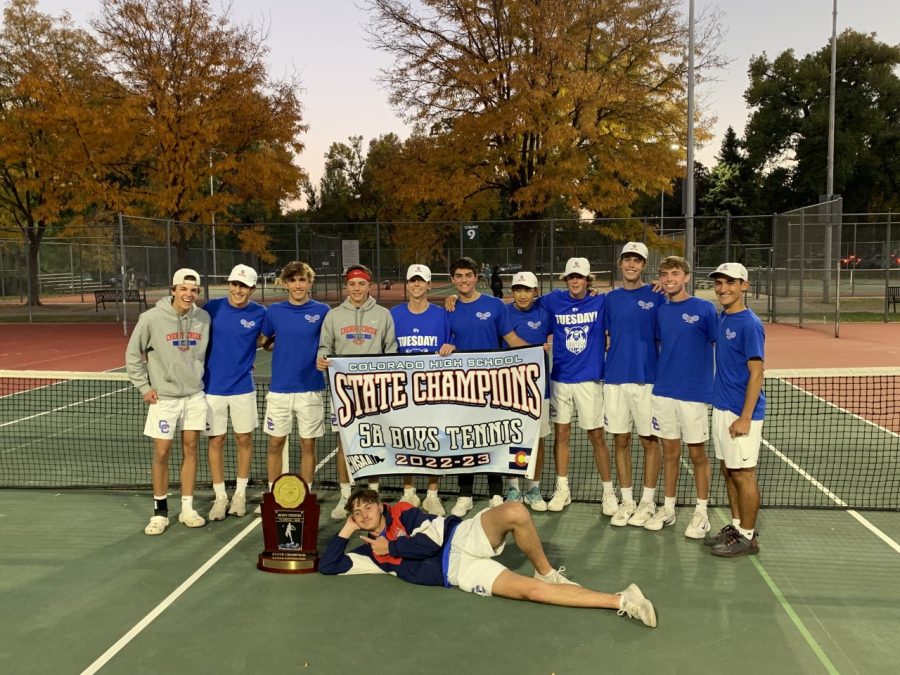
x,y
831,440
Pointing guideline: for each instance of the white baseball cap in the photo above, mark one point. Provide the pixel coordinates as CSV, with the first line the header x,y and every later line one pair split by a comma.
x,y
418,271
244,274
637,248
732,270
181,275
526,279
577,266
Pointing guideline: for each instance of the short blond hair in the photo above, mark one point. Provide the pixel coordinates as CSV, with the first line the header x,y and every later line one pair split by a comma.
x,y
295,268
675,262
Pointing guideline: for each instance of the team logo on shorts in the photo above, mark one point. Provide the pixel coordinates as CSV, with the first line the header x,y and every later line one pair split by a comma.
x,y
576,339
479,590
730,334
312,318
334,419
484,316
534,325
645,304
688,318
654,423
248,324
164,426
270,424
605,421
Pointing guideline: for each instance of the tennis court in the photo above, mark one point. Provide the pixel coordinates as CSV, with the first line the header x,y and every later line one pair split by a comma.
x,y
93,592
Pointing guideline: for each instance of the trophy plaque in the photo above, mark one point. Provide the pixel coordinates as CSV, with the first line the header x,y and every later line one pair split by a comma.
x,y
290,518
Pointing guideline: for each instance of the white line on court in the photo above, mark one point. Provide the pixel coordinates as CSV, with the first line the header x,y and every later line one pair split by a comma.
x,y
833,497
161,607
63,407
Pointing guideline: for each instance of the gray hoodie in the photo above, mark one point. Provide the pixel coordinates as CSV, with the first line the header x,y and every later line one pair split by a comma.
x,y
348,330
175,349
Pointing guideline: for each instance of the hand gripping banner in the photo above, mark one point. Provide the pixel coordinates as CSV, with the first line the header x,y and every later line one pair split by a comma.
x,y
470,412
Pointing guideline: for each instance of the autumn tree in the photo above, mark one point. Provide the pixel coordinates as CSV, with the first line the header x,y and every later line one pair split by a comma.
x,y
51,104
787,131
198,102
533,101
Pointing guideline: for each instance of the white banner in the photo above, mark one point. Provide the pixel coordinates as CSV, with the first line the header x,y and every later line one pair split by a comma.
x,y
472,412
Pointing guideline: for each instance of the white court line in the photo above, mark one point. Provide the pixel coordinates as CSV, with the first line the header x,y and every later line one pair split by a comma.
x,y
63,407
833,497
173,596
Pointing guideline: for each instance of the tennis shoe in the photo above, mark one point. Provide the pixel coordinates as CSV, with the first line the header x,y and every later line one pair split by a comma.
x,y
433,505
191,518
623,513
496,500
609,504
662,518
736,545
513,495
560,499
714,539
462,507
219,508
411,499
238,504
698,526
157,525
555,577
644,512
339,512
636,606
535,500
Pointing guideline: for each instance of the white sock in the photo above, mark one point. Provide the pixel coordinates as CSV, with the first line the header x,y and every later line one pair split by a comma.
x,y
373,485
669,504
746,533
241,486
627,494
187,503
270,486
345,490
432,493
701,506
607,487
562,482
736,522
219,489
648,495
409,492
533,484
513,483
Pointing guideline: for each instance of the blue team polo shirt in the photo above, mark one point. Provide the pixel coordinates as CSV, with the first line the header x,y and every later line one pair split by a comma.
x,y
296,329
578,338
534,326
740,337
232,347
425,332
631,324
686,331
480,324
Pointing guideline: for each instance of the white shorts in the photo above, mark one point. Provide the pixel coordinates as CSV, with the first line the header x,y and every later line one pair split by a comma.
x,y
167,414
585,398
626,404
306,406
741,452
242,409
674,419
470,565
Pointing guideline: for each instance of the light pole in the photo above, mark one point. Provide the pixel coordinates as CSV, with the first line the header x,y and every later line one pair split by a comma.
x,y
214,265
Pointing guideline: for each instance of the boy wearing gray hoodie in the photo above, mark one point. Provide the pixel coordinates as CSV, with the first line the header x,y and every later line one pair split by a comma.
x,y
358,326
164,360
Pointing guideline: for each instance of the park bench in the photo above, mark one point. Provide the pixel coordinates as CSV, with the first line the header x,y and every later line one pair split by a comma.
x,y
892,297
114,295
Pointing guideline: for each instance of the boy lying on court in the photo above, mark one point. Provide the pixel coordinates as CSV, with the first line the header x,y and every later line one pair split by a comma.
x,y
431,550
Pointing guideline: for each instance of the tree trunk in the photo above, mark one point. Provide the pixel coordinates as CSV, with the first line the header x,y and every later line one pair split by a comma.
x,y
34,288
525,237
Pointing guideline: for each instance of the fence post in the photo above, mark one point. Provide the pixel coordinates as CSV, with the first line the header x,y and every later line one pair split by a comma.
x,y
727,236
122,275
802,263
887,268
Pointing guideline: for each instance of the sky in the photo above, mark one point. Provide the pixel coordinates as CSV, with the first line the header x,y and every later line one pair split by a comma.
x,y
324,42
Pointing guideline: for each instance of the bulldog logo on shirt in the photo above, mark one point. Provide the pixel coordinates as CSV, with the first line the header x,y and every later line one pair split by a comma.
x,y
576,338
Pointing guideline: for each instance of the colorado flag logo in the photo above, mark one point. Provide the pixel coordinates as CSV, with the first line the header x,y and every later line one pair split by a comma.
x,y
518,458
